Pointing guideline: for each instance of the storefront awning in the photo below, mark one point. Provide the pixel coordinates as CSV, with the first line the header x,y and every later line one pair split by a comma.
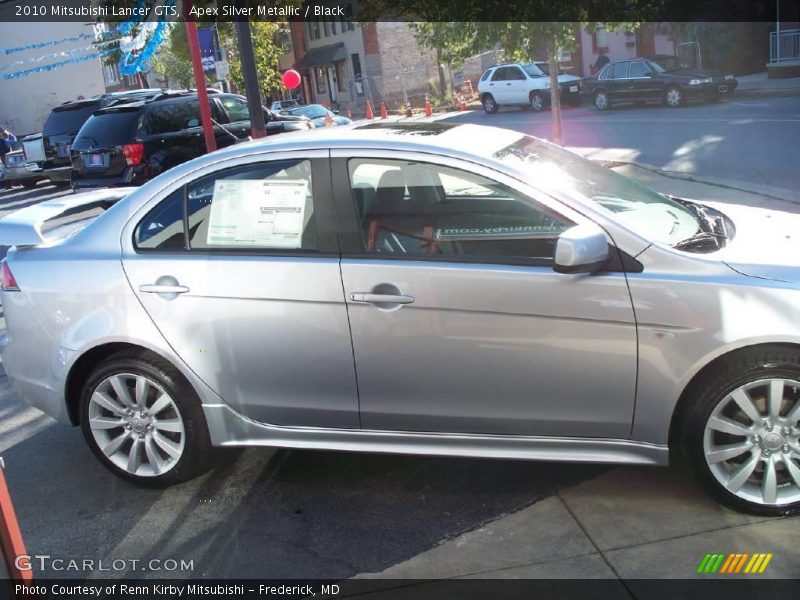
x,y
324,55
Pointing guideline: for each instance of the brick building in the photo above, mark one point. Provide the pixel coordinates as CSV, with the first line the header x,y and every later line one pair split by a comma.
x,y
345,63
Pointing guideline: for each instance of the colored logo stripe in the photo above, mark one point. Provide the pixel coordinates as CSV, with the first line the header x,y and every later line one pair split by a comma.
x,y
733,563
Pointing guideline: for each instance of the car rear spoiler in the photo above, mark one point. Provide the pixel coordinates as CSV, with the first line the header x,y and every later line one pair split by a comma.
x,y
24,227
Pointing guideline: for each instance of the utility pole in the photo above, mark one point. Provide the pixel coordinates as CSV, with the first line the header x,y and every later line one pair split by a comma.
x,y
257,126
200,79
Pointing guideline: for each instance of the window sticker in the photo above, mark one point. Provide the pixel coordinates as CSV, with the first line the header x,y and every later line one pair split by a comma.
x,y
258,212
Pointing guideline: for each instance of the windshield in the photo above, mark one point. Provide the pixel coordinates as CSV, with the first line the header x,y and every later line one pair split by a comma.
x,y
650,214
312,112
532,70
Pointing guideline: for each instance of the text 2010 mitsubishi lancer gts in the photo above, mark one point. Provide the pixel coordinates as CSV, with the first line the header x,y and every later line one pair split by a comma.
x,y
415,288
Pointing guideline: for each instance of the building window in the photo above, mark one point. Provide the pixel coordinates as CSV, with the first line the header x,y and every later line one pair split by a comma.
x,y
341,76
347,24
600,40
319,75
313,30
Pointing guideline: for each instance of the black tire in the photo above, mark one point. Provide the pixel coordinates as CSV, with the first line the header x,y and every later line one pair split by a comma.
x,y
197,444
537,101
738,369
489,104
601,100
673,92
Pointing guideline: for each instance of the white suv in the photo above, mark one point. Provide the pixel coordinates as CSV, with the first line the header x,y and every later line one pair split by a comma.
x,y
518,84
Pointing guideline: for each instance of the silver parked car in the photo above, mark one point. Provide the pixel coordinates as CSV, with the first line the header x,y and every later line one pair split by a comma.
x,y
418,288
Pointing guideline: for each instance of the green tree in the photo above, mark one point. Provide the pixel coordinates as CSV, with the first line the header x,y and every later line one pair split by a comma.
x,y
270,41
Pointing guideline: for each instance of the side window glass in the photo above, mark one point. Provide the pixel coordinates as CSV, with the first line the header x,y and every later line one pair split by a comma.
x,y
190,114
417,209
162,227
500,74
638,69
486,75
162,119
264,206
515,74
619,70
236,108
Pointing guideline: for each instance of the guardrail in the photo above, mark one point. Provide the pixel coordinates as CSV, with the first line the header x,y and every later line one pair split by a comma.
x,y
784,47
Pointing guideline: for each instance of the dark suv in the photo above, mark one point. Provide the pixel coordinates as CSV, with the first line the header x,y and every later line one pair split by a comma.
x,y
66,120
128,144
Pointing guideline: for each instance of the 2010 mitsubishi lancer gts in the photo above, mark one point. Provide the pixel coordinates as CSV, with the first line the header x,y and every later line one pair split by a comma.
x,y
418,288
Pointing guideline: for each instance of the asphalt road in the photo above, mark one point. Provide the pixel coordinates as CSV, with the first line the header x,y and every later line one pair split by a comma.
x,y
742,138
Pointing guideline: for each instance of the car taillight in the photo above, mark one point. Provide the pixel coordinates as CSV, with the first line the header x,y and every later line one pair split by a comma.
x,y
134,153
9,284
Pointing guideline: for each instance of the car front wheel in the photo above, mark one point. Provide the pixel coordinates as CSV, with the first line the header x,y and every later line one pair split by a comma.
x,y
673,97
741,435
489,104
601,100
537,101
143,421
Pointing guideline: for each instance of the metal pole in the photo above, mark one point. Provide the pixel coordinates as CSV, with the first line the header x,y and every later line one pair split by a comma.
x,y
257,127
778,32
200,79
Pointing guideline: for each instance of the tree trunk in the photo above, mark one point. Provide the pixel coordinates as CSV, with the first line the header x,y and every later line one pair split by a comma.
x,y
442,81
555,96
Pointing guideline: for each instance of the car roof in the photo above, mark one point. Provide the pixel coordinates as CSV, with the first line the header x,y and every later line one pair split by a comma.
x,y
477,143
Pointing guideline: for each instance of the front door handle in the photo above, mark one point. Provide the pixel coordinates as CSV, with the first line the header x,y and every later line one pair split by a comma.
x,y
163,289
381,298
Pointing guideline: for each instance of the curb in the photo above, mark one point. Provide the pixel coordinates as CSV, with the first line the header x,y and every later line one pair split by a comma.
x,y
750,188
768,93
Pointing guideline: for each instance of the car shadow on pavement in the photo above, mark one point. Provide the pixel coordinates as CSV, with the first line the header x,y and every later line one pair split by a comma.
x,y
264,512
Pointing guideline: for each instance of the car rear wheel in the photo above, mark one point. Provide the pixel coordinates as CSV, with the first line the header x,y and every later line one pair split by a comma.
x,y
741,436
144,421
673,97
489,104
537,101
601,100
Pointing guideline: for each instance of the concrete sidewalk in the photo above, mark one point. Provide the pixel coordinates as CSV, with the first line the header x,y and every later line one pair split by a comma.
x,y
628,523
759,83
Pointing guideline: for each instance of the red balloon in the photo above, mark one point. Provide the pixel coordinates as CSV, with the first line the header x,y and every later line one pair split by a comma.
x,y
291,79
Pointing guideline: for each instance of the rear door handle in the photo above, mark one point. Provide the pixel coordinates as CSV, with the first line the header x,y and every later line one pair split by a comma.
x,y
163,289
381,298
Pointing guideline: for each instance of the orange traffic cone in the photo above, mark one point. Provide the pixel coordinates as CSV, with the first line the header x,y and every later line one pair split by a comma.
x,y
428,108
384,114
463,104
347,112
369,111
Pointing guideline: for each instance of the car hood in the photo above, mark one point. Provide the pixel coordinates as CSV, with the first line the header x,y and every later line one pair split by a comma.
x,y
766,244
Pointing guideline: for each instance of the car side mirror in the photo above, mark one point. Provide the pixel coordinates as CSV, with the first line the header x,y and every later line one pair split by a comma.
x,y
581,249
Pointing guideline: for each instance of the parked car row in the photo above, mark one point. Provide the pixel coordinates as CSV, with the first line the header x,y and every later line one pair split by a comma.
x,y
659,79
127,138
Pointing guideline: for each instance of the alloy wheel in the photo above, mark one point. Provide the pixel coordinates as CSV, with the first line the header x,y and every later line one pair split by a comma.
x,y
489,104
136,424
674,97
601,100
537,102
752,442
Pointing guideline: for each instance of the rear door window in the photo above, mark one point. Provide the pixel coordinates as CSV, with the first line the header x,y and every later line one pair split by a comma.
x,y
69,119
619,71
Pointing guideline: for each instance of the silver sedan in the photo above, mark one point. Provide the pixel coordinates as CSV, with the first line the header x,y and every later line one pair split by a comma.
x,y
417,288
